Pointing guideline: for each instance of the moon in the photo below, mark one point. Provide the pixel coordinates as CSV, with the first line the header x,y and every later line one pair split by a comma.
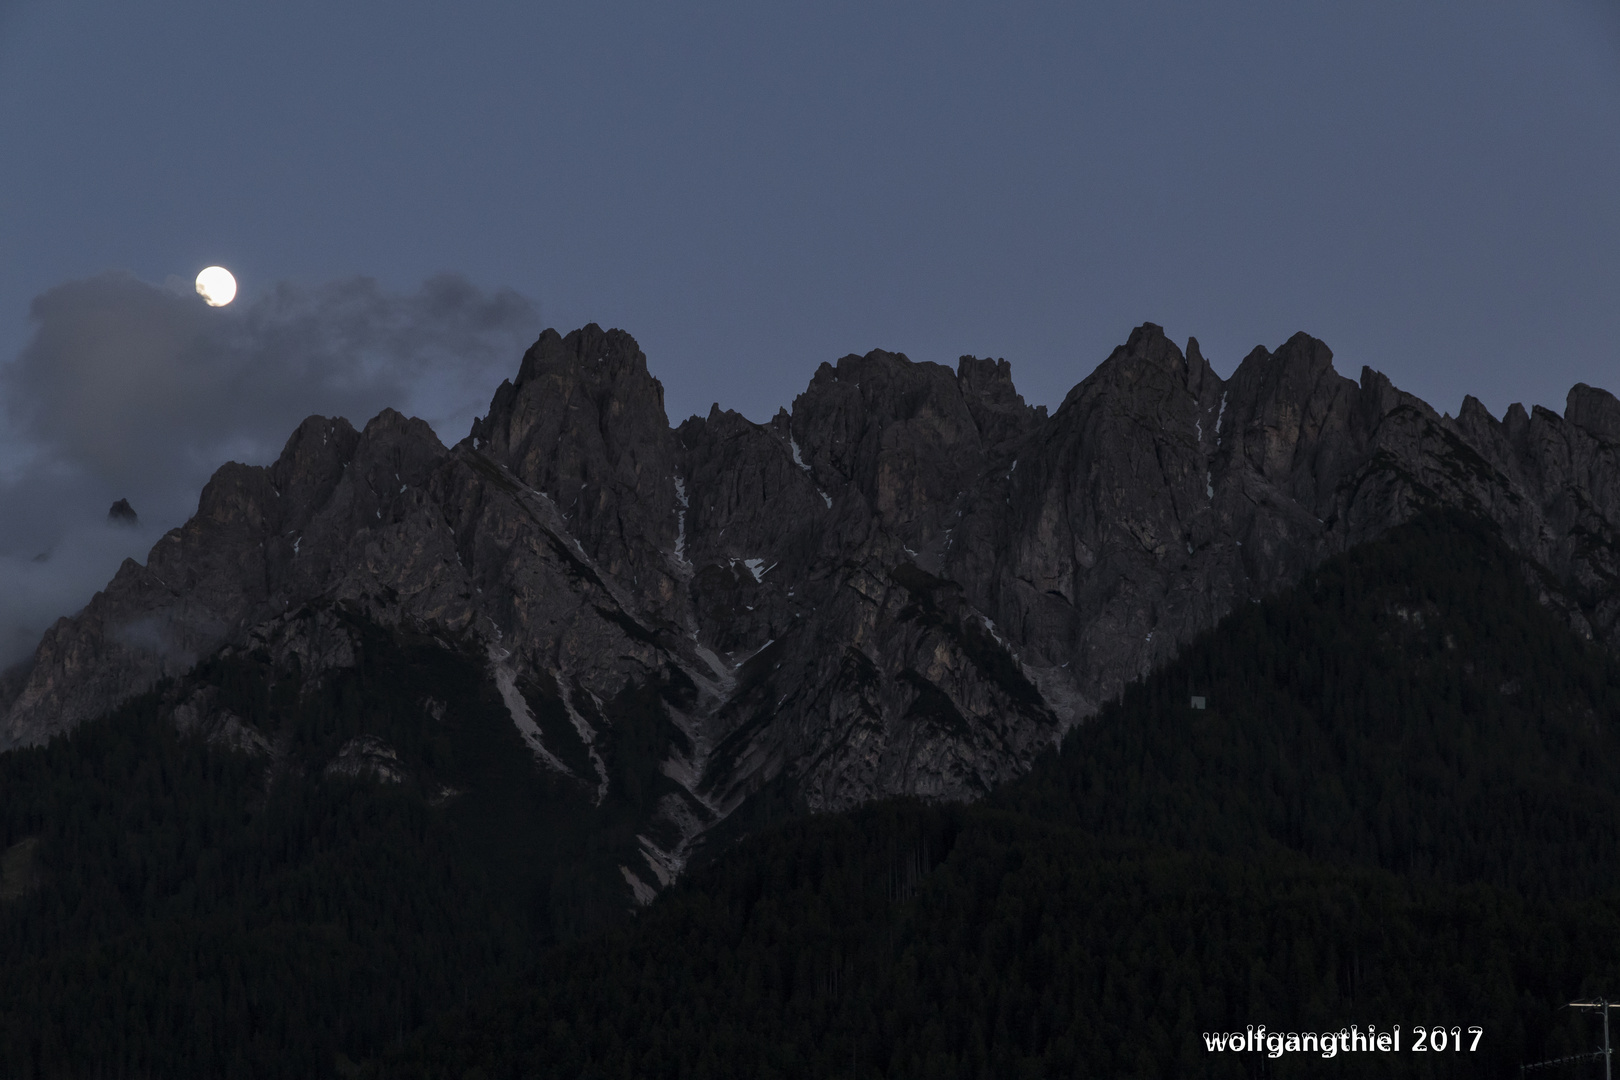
x,y
217,286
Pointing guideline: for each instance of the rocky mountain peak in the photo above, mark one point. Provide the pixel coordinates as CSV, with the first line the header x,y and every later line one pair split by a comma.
x,y
1199,373
906,437
1148,380
605,357
396,451
313,459
584,424
1149,345
994,403
1595,410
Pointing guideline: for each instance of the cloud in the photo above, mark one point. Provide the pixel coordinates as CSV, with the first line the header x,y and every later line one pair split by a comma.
x,y
131,390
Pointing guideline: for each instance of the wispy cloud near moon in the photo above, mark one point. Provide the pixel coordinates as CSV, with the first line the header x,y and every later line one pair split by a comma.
x,y
131,390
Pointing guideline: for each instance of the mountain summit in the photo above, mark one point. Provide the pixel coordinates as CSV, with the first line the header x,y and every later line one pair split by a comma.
x,y
913,582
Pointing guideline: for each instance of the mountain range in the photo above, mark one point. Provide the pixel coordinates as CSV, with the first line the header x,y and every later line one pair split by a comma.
x,y
912,583
1396,809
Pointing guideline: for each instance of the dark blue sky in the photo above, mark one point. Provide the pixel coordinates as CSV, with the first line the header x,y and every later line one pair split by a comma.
x,y
754,188
751,189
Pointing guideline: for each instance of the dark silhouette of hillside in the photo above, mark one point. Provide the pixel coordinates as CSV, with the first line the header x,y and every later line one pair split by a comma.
x,y
1397,809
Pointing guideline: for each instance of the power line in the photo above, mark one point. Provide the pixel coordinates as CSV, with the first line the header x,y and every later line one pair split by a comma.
x,y
1602,1004
1561,1061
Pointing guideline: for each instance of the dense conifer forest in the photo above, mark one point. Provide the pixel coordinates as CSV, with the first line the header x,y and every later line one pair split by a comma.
x,y
1399,807
191,911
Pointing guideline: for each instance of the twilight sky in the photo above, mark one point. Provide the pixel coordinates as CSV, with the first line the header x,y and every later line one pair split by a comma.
x,y
408,192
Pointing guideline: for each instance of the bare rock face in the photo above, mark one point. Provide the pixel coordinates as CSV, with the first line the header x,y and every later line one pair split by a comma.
x,y
913,582
199,713
366,757
585,424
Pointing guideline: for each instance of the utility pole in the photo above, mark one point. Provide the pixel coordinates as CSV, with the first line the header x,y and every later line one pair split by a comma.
x,y
1601,1004
1605,1005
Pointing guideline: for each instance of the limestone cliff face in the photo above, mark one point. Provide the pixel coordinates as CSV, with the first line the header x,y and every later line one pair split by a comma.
x,y
912,582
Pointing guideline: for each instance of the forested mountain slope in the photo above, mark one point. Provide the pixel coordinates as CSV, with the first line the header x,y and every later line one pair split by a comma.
x,y
1398,808
386,720
912,583
174,907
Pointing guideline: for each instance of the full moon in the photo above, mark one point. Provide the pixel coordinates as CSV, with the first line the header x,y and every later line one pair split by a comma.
x,y
217,286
